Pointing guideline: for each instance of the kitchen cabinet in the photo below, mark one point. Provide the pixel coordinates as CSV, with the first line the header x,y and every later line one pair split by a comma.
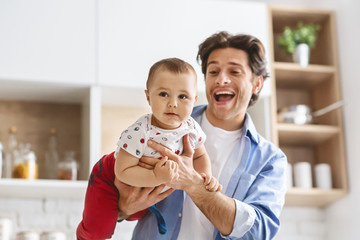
x,y
316,85
48,41
135,34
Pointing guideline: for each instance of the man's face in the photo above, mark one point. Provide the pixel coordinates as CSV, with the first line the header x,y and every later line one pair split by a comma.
x,y
171,97
229,85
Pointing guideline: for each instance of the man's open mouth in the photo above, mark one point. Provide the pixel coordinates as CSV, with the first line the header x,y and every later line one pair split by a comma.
x,y
223,96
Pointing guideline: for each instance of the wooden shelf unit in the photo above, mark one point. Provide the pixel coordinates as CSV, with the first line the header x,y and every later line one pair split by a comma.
x,y
316,85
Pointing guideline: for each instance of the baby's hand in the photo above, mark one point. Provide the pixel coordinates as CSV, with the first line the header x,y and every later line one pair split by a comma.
x,y
166,170
211,183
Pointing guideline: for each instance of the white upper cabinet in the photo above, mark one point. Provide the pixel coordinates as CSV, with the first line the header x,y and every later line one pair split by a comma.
x,y
135,34
48,41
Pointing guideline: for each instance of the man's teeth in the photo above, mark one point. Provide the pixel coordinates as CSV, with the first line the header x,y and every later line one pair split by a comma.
x,y
224,93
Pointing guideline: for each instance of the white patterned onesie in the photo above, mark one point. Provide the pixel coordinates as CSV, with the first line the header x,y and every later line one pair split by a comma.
x,y
134,139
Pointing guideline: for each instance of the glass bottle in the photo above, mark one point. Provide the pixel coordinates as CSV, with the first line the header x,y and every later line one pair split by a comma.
x,y
25,166
68,167
1,160
51,156
11,153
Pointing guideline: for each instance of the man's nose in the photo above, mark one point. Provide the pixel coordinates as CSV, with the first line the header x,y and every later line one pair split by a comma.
x,y
222,79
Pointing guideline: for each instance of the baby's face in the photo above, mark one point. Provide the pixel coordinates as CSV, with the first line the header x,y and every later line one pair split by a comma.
x,y
171,97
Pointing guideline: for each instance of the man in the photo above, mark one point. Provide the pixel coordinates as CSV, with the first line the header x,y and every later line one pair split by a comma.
x,y
251,169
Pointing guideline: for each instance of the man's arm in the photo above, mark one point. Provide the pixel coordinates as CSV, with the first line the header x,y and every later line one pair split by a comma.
x,y
134,199
217,207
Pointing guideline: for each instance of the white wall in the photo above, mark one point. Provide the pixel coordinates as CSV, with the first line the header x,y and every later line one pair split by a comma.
x,y
342,217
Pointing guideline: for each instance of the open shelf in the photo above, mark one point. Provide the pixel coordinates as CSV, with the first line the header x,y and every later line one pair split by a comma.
x,y
42,188
317,86
34,108
320,55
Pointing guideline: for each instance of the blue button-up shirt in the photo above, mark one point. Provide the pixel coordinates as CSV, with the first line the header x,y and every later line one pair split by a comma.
x,y
259,181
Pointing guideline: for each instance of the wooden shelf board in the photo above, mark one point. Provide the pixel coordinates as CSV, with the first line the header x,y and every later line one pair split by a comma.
x,y
312,197
308,134
291,74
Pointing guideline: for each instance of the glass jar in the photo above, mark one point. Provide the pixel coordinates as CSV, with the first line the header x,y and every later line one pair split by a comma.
x,y
25,165
28,235
68,167
53,235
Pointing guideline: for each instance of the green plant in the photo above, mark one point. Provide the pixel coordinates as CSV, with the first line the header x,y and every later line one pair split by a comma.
x,y
302,34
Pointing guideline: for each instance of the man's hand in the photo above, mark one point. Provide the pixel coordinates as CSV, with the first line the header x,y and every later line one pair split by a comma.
x,y
187,175
134,199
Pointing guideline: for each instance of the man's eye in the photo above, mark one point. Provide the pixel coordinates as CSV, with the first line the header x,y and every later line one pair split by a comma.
x,y
212,72
163,94
182,96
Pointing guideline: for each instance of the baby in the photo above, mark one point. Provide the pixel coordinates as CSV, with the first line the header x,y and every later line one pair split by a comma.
x,y
171,94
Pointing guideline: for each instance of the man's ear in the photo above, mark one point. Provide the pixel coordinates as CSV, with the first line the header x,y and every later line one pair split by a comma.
x,y
147,95
258,85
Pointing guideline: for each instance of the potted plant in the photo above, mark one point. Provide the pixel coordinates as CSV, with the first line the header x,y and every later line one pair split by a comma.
x,y
298,41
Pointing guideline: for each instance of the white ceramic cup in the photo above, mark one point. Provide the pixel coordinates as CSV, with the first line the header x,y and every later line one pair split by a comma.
x,y
322,173
5,228
302,175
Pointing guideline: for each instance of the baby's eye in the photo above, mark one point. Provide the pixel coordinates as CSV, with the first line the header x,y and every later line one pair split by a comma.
x,y
183,96
163,94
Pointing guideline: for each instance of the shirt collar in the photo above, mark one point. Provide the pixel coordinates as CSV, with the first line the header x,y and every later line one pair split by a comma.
x,y
248,128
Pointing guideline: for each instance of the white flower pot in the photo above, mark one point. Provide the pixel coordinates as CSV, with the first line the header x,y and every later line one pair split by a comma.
x,y
302,54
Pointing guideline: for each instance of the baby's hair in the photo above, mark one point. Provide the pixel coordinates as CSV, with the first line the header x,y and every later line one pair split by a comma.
x,y
173,65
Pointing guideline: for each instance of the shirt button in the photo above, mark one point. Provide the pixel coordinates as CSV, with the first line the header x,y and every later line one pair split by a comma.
x,y
179,214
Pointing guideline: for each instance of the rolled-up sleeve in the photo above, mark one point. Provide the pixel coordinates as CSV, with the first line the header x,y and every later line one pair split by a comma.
x,y
257,215
244,219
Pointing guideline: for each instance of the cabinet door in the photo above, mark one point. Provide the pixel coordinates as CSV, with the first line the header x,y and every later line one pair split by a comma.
x,y
135,34
47,40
